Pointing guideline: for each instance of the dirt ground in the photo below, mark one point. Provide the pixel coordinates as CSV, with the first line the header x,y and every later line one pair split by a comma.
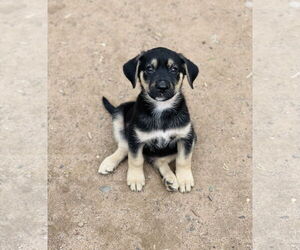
x,y
89,41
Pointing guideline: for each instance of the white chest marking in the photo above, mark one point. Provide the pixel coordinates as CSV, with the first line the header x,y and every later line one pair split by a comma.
x,y
163,135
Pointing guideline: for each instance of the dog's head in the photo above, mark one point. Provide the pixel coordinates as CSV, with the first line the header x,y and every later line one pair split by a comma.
x,y
160,72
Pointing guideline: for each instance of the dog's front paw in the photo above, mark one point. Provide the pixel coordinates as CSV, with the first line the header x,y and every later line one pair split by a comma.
x,y
185,180
170,182
107,166
135,179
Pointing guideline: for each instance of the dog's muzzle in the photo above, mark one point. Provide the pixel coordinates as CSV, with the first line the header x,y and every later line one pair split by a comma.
x,y
162,90
162,85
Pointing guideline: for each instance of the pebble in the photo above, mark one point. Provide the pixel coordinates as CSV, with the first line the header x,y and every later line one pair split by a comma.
x,y
284,217
80,224
188,218
192,228
105,189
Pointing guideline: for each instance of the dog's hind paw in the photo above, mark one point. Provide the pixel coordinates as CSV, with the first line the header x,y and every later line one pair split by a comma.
x,y
107,167
170,182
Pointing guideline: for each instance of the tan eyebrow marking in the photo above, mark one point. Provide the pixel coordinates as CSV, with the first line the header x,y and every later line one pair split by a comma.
x,y
170,62
154,62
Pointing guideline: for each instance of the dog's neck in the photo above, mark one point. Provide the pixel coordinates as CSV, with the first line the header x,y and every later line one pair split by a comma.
x,y
156,115
160,106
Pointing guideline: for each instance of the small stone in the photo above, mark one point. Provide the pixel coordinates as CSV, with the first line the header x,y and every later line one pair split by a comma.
x,y
192,228
242,217
80,224
284,217
188,218
249,75
105,189
67,16
61,166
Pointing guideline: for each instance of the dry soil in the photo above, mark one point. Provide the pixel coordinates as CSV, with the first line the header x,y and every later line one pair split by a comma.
x,y
89,41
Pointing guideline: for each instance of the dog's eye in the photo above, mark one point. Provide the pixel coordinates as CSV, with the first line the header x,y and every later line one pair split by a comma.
x,y
149,69
173,69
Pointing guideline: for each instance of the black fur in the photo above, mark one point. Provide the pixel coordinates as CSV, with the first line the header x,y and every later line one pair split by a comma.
x,y
108,106
140,114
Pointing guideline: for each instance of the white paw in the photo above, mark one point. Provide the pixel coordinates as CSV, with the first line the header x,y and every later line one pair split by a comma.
x,y
170,182
185,180
107,166
135,179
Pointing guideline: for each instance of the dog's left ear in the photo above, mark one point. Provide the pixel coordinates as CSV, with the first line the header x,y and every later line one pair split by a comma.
x,y
131,69
191,70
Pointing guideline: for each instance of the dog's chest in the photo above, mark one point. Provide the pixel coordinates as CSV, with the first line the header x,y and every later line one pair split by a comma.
x,y
162,138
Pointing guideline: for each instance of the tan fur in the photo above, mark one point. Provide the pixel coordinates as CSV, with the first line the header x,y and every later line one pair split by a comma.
x,y
154,63
179,83
136,71
169,178
170,62
143,82
112,161
135,173
187,73
184,169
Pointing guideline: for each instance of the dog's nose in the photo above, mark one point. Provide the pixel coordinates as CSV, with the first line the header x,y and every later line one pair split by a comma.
x,y
162,85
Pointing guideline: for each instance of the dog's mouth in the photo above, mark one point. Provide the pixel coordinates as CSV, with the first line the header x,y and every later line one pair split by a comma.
x,y
161,97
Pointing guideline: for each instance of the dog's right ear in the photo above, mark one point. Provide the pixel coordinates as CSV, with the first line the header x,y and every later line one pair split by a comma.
x,y
131,69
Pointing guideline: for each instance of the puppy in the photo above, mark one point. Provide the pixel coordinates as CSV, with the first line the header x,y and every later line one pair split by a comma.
x,y
157,126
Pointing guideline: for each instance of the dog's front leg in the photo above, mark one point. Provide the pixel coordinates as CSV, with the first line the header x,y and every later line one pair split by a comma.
x,y
135,173
184,164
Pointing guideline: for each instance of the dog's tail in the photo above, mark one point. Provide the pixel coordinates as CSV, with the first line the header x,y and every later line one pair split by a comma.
x,y
108,106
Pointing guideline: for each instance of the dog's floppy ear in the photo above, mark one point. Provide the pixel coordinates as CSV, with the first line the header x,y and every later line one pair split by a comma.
x,y
191,70
131,69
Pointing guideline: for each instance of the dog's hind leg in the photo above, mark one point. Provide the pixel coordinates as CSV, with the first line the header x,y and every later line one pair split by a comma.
x,y
168,177
111,162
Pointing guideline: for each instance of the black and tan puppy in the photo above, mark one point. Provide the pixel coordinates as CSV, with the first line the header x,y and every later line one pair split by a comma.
x,y
157,126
